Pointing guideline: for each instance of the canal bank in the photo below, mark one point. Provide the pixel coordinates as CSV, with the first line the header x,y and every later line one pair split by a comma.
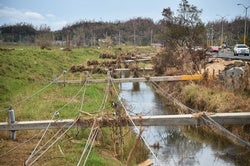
x,y
177,145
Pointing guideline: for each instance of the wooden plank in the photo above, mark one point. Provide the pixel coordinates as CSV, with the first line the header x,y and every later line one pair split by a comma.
x,y
139,79
157,120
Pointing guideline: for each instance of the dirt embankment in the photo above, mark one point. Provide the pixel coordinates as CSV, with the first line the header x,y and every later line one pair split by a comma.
x,y
217,65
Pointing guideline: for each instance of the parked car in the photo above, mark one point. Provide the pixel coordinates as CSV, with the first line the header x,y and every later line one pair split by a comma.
x,y
241,49
213,49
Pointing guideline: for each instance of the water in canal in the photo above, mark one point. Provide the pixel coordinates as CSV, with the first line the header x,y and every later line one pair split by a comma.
x,y
176,147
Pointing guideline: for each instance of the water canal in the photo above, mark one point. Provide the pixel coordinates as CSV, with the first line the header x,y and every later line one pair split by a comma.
x,y
176,145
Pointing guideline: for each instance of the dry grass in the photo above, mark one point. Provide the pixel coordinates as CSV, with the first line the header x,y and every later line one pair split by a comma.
x,y
214,100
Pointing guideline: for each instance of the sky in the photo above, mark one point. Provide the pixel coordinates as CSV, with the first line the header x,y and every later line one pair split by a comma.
x,y
59,13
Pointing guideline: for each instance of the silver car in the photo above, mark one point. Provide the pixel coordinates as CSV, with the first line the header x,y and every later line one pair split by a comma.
x,y
241,49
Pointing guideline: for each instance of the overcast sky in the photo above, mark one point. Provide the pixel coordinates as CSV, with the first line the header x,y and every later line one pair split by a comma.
x,y
58,13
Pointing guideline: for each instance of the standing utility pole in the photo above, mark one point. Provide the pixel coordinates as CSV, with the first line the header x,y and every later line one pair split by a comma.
x,y
212,35
222,30
151,37
245,29
134,36
119,38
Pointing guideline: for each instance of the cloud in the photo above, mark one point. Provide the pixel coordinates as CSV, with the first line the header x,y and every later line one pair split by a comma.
x,y
50,15
12,16
33,15
15,15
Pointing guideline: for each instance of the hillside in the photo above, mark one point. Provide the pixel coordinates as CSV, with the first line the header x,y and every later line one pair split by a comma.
x,y
26,75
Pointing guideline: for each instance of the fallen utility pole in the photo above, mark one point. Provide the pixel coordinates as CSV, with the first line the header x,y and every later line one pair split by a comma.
x,y
157,120
139,79
140,69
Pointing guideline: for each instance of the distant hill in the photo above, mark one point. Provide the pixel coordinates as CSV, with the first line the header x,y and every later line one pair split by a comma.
x,y
136,31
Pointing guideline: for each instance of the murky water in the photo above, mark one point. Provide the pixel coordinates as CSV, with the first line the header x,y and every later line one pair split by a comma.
x,y
175,146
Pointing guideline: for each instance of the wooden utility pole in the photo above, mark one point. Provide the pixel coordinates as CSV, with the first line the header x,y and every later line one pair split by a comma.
x,y
68,39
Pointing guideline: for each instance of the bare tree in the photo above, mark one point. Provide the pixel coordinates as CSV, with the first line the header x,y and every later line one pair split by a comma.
x,y
44,37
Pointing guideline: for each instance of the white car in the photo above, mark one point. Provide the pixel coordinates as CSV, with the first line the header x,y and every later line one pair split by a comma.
x,y
241,49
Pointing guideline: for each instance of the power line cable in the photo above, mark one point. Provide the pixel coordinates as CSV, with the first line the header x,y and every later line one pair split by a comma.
x,y
105,98
84,91
147,145
34,152
91,135
55,113
44,145
95,135
87,143
19,145
35,93
31,163
205,117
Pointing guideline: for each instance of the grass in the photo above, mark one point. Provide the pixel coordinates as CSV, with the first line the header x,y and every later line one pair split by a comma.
x,y
28,69
214,100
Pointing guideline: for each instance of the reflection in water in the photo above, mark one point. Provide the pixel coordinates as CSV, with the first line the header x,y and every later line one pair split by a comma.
x,y
175,147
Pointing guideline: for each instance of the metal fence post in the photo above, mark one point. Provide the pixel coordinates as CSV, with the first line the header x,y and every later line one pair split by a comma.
x,y
12,121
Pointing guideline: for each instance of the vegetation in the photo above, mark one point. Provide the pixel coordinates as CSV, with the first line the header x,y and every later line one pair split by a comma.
x,y
138,31
181,32
25,70
28,69
29,65
180,57
233,31
21,32
214,100
183,26
184,29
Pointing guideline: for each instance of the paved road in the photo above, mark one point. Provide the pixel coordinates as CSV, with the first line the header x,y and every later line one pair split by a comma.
x,y
230,55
